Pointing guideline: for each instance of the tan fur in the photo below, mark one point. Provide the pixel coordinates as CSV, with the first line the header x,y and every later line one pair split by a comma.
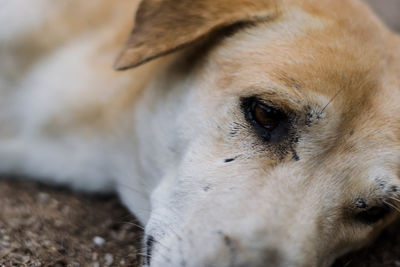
x,y
189,21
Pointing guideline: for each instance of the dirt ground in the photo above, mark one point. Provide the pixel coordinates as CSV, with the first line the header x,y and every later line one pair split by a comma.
x,y
47,226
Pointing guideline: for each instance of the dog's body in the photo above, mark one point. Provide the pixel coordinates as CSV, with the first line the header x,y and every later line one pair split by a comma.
x,y
272,139
57,75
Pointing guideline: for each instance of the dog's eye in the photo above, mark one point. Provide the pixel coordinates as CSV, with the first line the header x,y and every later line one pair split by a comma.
x,y
373,214
266,116
270,123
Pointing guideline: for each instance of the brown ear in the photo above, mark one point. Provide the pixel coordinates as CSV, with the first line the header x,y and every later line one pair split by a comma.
x,y
164,26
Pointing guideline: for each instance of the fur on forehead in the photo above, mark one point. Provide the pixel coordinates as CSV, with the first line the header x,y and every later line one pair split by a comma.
x,y
164,26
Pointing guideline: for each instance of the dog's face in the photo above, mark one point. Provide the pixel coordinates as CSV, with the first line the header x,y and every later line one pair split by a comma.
x,y
290,139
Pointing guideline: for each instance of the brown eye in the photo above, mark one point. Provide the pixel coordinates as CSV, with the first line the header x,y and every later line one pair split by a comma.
x,y
265,116
270,123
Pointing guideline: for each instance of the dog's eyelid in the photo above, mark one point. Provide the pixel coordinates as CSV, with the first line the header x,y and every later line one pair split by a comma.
x,y
283,98
276,102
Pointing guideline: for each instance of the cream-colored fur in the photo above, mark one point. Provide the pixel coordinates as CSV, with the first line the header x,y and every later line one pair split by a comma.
x,y
173,136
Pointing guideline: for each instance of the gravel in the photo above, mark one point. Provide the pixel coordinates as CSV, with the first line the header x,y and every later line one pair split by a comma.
x,y
46,226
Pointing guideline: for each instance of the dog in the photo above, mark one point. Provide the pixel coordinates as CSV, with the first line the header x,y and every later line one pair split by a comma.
x,y
245,133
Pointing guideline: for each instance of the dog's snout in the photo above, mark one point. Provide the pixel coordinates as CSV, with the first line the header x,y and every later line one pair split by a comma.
x,y
233,252
267,255
253,257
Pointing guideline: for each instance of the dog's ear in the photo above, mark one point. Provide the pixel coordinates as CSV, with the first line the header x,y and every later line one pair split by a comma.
x,y
164,26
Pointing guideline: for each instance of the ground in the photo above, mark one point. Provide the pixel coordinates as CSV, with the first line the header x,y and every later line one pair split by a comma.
x,y
47,226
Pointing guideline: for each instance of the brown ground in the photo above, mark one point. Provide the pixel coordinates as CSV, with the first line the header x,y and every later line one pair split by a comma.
x,y
45,226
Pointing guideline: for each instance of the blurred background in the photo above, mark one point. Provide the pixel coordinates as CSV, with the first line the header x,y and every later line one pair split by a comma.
x,y
389,10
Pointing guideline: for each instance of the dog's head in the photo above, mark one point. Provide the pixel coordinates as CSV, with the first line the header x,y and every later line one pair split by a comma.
x,y
286,150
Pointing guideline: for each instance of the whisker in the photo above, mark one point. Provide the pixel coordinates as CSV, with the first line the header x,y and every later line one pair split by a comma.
x,y
155,216
143,254
330,101
391,205
154,212
145,197
150,255
135,224
395,199
170,228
